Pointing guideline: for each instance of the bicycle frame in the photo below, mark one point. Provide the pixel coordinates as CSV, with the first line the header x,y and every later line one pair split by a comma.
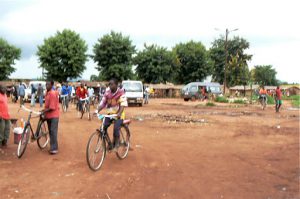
x,y
28,123
104,133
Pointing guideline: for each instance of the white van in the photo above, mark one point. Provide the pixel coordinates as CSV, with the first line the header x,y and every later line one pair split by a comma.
x,y
134,92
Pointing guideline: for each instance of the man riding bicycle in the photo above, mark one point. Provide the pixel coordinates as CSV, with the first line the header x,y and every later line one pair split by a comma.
x,y
263,94
114,100
81,93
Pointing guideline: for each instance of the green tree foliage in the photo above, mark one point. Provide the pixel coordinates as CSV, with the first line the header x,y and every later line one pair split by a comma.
x,y
94,78
63,56
8,55
113,55
264,75
194,62
156,64
236,47
238,73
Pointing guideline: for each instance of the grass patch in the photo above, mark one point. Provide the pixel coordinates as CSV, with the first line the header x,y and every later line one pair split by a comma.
x,y
292,97
296,103
239,101
210,104
270,99
221,99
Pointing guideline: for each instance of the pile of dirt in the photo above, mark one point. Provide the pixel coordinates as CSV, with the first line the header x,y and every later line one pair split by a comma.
x,y
170,118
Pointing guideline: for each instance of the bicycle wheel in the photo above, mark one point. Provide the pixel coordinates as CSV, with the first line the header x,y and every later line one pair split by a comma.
x,y
95,151
88,112
43,139
123,149
24,141
83,109
64,106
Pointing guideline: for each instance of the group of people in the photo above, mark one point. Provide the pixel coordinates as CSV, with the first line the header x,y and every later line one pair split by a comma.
x,y
113,99
277,95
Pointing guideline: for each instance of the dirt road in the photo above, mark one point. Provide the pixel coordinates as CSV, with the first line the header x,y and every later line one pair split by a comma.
x,y
180,150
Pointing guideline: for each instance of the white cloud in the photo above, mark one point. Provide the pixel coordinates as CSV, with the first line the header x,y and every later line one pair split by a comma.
x,y
268,25
27,68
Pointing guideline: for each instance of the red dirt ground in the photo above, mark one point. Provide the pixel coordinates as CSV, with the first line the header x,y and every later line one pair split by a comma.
x,y
230,152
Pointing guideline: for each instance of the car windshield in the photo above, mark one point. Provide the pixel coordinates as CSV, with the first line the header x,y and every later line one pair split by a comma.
x,y
132,87
214,89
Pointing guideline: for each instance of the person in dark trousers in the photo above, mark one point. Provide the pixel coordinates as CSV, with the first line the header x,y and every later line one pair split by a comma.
x,y
15,93
51,113
4,118
40,94
114,100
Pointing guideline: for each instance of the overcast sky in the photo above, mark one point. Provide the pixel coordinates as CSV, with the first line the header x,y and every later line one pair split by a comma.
x,y
271,27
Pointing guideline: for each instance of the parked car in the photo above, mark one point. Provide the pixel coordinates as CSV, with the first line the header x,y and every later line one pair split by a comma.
x,y
192,90
35,84
134,92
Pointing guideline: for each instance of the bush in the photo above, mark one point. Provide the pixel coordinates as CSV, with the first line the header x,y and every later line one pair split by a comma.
x,y
270,100
210,104
239,101
221,99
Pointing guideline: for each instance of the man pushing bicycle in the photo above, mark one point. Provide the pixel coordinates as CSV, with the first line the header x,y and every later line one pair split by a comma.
x,y
114,100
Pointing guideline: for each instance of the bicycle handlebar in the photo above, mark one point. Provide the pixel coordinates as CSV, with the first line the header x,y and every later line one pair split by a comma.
x,y
30,111
101,116
85,99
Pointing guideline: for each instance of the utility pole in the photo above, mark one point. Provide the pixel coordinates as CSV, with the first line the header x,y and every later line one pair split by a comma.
x,y
226,52
226,55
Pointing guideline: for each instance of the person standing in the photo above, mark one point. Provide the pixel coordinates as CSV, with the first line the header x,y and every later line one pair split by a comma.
x,y
4,118
21,93
15,93
147,93
51,113
65,94
33,91
40,95
278,98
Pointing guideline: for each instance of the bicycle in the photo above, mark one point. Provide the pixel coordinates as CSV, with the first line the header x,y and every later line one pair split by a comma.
x,y
99,143
263,101
64,102
85,107
41,135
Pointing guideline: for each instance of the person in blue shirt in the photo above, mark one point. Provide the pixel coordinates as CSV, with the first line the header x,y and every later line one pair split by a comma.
x,y
65,94
69,87
21,93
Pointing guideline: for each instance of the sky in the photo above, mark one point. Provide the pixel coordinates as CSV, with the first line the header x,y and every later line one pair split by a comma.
x,y
271,27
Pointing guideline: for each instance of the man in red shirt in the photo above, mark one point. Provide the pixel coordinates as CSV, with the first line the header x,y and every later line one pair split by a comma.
x,y
81,93
278,95
4,118
51,113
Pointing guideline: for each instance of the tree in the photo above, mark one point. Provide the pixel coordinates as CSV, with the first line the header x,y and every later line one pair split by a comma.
x,y
63,56
94,78
235,47
264,75
155,64
8,55
239,72
194,62
113,55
